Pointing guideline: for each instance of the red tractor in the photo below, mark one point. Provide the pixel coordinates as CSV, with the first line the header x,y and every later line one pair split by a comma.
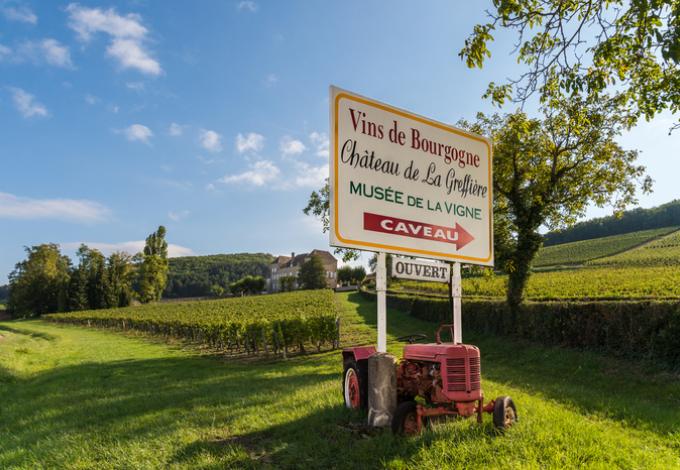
x,y
433,380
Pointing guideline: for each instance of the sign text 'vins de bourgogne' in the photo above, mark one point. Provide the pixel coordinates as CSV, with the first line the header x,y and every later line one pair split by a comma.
x,y
405,184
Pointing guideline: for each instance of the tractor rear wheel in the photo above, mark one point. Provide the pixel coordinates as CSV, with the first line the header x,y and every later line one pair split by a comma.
x,y
405,419
355,386
504,413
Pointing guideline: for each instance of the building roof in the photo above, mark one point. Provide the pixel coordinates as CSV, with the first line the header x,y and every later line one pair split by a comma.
x,y
297,260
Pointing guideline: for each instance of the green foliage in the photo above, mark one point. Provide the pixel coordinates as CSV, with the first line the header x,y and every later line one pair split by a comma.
x,y
596,283
665,215
4,293
586,250
40,283
585,47
254,325
248,285
548,171
318,206
639,330
153,272
312,274
347,275
195,276
288,283
661,252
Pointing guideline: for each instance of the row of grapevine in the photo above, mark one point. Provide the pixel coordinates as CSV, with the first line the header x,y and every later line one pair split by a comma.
x,y
585,250
596,283
271,324
662,252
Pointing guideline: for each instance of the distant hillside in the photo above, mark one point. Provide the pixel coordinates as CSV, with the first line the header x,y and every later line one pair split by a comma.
x,y
666,215
595,248
664,251
194,276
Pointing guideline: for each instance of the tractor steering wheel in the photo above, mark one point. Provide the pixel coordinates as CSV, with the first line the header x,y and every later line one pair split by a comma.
x,y
412,338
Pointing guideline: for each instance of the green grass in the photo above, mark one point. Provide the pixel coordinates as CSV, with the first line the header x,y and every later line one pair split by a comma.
x,y
594,283
585,250
664,251
82,398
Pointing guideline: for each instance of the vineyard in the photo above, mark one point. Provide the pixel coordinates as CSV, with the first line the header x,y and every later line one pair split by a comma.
x,y
662,252
582,251
270,324
658,282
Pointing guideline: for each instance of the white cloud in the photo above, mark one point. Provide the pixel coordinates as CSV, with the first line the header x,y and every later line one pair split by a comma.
x,y
251,142
128,35
5,52
138,132
247,5
320,141
210,140
47,50
175,129
75,210
131,247
136,86
91,99
271,80
290,146
177,216
56,53
309,176
21,13
260,173
210,187
131,54
26,103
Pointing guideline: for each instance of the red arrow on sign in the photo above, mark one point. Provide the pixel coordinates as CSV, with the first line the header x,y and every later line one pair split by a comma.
x,y
410,228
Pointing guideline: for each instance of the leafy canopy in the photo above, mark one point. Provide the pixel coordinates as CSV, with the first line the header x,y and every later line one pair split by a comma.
x,y
628,48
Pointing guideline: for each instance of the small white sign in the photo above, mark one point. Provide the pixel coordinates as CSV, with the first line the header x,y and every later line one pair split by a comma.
x,y
420,270
402,183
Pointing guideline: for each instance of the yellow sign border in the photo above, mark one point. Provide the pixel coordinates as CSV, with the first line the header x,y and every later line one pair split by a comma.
x,y
414,117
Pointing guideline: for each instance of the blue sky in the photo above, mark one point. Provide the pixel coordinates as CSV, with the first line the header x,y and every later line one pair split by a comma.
x,y
211,118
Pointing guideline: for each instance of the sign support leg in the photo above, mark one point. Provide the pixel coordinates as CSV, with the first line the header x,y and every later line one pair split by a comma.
x,y
456,293
380,289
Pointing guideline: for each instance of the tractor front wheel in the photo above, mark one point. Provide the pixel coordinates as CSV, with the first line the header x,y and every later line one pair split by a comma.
x,y
504,413
405,419
354,386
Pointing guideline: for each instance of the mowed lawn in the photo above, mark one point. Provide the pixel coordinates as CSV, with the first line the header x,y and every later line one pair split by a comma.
x,y
73,397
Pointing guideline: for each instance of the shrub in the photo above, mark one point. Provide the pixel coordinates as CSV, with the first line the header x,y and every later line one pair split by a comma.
x,y
633,329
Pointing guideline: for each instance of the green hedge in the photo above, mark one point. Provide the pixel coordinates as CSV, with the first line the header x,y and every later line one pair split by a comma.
x,y
635,329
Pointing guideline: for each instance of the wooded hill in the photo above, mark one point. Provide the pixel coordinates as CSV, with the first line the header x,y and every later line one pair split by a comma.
x,y
195,276
665,215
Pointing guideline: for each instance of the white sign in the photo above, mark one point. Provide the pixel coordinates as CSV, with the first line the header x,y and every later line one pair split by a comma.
x,y
402,183
420,270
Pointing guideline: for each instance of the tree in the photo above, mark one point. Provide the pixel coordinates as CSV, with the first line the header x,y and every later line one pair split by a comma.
x,y
92,268
248,285
547,172
345,275
312,274
287,283
630,48
40,283
358,275
119,277
153,272
77,290
318,206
